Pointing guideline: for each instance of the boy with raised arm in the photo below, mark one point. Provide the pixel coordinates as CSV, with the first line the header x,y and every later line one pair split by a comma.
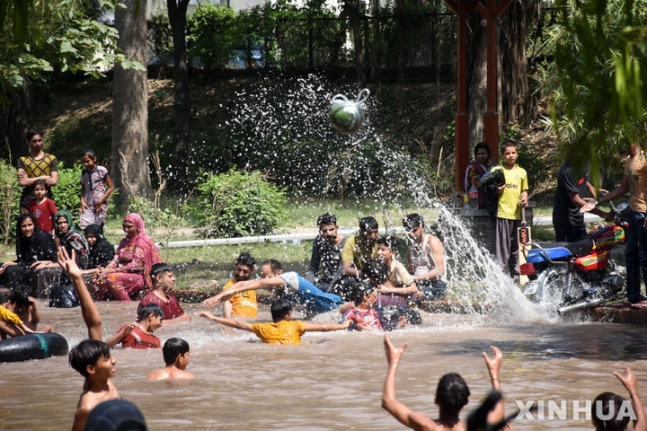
x,y
608,411
92,357
282,329
176,357
452,394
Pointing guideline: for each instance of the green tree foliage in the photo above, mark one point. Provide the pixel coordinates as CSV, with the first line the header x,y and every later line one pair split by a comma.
x,y
598,77
237,204
9,200
213,34
63,35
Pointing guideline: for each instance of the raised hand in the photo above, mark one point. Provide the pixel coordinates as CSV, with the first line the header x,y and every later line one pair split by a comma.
x,y
68,263
393,355
628,380
494,365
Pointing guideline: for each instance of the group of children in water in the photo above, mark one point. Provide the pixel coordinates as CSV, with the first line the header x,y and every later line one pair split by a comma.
x,y
92,357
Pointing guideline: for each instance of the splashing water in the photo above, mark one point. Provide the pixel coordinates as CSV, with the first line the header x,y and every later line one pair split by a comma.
x,y
283,126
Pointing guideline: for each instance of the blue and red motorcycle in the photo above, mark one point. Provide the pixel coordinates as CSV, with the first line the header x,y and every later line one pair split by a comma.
x,y
569,276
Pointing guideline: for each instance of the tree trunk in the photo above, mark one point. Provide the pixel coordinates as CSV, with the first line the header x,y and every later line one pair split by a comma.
x,y
477,78
516,102
355,19
180,155
130,108
400,46
377,49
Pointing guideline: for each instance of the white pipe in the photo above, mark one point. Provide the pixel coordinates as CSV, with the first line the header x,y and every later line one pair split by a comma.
x,y
307,236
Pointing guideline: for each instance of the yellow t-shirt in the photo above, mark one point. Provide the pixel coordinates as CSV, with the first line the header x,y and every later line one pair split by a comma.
x,y
10,316
357,253
244,304
284,332
516,181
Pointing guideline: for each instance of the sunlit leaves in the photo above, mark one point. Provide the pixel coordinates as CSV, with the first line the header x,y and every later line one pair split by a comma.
x,y
598,90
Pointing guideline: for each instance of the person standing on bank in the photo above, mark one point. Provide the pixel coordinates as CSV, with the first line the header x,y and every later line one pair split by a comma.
x,y
572,188
513,195
38,165
635,183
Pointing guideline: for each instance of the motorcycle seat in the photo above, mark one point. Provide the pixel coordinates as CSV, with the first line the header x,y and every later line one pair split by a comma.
x,y
561,250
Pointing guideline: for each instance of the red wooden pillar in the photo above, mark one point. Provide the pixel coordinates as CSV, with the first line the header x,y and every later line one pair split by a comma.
x,y
490,11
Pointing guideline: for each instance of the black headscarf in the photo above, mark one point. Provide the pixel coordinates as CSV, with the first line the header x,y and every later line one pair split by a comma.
x,y
73,240
102,252
40,246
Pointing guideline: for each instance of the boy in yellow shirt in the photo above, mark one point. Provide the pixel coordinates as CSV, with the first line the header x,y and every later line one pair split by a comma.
x,y
282,329
513,195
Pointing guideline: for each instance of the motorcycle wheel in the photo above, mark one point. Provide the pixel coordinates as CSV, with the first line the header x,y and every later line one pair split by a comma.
x,y
554,292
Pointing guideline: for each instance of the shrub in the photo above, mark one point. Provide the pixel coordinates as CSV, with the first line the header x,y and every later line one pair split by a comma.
x,y
67,193
9,200
236,203
214,33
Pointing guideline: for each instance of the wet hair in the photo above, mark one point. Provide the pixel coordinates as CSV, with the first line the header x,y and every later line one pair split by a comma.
x,y
33,132
413,220
375,269
274,264
279,309
452,394
116,415
159,269
610,407
247,259
507,143
390,241
40,183
87,352
359,290
367,223
89,153
148,310
18,298
482,145
326,219
173,348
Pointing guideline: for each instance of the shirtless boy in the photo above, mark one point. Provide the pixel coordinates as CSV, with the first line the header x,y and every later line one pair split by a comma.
x,y
452,394
93,360
176,357
426,259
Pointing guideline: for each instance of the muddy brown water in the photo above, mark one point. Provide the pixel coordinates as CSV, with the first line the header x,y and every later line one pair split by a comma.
x,y
333,381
